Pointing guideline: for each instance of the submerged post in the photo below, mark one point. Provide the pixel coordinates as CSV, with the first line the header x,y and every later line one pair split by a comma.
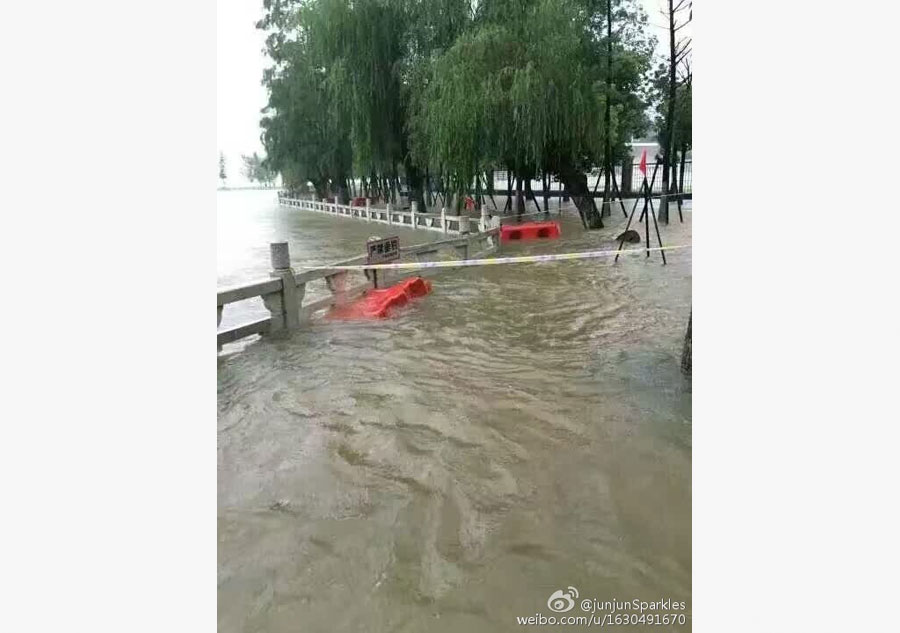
x,y
686,350
443,219
389,213
368,210
284,306
413,209
483,225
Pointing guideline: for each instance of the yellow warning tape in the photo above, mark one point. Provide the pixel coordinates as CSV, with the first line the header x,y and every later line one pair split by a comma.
x,y
490,261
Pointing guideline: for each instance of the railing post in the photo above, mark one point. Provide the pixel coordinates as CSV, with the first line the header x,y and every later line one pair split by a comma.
x,y
285,305
496,241
483,224
218,323
443,219
413,209
368,210
388,213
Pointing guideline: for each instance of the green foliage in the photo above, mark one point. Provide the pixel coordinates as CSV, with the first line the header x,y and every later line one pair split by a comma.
x,y
626,78
510,95
305,135
683,131
256,169
251,165
683,116
362,43
368,86
345,72
527,89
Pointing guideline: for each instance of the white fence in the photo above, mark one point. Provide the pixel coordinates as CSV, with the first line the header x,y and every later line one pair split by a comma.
x,y
412,219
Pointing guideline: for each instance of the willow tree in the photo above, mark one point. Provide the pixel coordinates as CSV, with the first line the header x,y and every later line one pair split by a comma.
x,y
370,86
432,28
371,57
362,42
516,91
305,127
305,137
538,86
386,47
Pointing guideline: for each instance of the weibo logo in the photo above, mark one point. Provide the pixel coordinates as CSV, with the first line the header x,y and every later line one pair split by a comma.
x,y
561,601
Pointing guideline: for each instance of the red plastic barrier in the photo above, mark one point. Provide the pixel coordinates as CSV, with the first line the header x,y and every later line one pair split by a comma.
x,y
358,202
377,304
529,231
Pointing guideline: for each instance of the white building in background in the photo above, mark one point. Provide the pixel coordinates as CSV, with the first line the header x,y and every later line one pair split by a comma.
x,y
638,146
653,148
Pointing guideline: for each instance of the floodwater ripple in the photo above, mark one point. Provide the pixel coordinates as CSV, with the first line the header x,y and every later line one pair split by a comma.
x,y
521,429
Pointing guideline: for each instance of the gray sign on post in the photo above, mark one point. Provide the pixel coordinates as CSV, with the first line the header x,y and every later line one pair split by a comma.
x,y
381,251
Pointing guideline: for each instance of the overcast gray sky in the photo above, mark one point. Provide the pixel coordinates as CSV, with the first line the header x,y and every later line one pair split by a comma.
x,y
240,63
239,95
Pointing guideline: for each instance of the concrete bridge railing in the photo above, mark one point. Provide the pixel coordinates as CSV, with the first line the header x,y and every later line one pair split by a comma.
x,y
284,293
412,219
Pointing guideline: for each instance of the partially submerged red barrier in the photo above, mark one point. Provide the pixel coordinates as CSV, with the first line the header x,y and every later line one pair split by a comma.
x,y
529,231
378,304
358,202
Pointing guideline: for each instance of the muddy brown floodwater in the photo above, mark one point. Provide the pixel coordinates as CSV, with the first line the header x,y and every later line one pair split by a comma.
x,y
523,429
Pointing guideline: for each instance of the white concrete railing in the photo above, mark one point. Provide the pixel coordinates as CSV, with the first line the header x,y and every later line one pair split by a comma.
x,y
284,292
412,219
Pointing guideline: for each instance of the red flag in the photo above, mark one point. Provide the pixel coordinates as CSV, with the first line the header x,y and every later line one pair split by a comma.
x,y
643,165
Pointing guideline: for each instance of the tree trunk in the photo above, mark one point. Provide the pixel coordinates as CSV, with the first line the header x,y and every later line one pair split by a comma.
x,y
668,163
686,350
607,154
545,185
321,189
529,192
520,201
340,195
575,182
509,184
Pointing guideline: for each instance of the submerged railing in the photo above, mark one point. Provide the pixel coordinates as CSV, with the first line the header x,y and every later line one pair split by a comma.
x,y
284,293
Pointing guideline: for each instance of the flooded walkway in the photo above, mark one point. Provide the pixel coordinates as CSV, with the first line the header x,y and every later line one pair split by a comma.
x,y
522,429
